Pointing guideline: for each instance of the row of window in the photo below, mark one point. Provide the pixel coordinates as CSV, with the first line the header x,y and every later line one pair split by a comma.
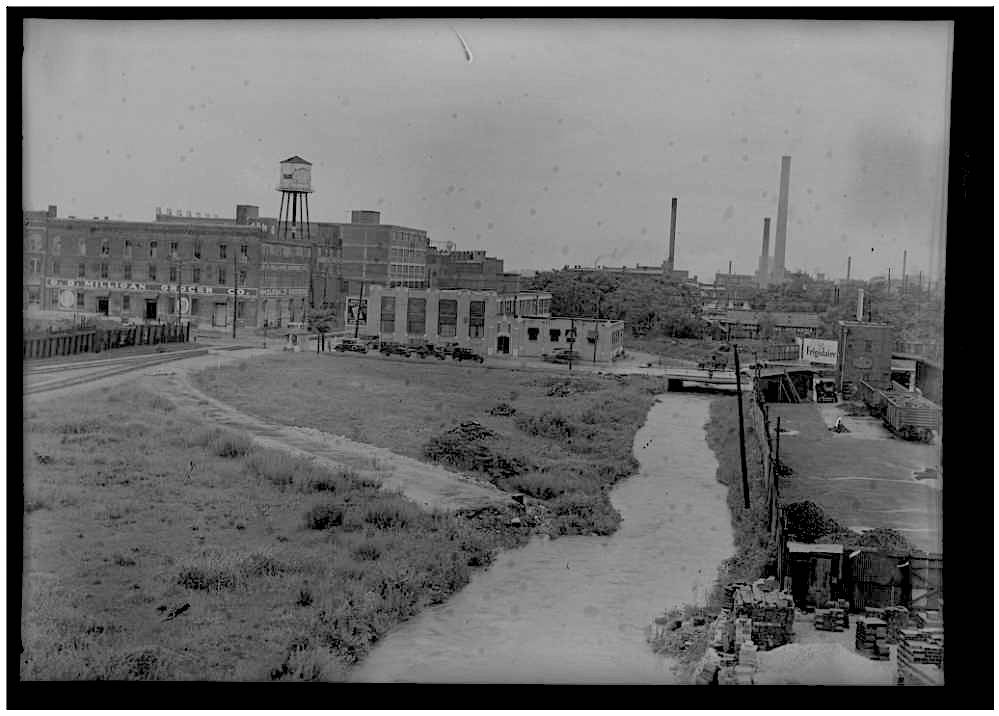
x,y
279,250
174,273
129,248
447,317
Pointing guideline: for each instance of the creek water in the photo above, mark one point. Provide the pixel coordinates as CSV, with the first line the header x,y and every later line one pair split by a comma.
x,y
576,609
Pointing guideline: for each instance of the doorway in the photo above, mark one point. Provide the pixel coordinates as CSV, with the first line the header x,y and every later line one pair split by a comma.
x,y
503,344
220,315
102,305
151,309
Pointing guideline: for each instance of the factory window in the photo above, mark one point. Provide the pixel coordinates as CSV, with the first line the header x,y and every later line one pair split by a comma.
x,y
152,272
105,247
194,306
79,299
222,275
174,249
532,334
126,302
81,270
81,245
56,245
104,270
242,277
244,250
55,267
35,265
222,251
554,334
197,249
173,273
240,309
127,271
416,316
53,296
868,347
447,321
196,274
152,249
127,251
476,318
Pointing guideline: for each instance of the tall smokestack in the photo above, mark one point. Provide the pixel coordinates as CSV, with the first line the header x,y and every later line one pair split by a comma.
x,y
860,304
763,273
729,268
672,236
905,255
780,240
848,260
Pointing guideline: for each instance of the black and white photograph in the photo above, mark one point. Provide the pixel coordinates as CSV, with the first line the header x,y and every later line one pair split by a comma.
x,y
483,350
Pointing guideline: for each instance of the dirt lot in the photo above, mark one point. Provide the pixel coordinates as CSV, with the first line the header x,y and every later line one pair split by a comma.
x,y
862,482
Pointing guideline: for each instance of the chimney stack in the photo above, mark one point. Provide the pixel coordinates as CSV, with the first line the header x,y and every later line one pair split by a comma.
x,y
848,260
780,241
763,273
729,268
905,255
672,236
860,305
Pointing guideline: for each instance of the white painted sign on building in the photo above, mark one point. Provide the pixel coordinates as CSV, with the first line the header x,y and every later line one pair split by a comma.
x,y
815,350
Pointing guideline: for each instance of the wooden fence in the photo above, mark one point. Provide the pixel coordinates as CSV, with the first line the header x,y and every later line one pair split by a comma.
x,y
768,461
95,341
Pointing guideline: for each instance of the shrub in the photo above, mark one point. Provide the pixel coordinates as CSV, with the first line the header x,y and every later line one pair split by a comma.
x,y
224,443
807,522
549,424
391,513
366,552
217,571
158,402
579,513
541,486
324,516
278,467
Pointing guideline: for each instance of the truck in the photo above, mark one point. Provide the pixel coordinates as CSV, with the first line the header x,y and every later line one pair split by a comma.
x,y
825,391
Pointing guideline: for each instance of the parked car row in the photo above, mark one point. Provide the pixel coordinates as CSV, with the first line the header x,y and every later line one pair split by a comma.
x,y
422,351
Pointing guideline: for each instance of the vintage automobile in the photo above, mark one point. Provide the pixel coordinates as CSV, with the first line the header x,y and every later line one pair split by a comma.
x,y
463,354
428,350
350,345
563,355
394,349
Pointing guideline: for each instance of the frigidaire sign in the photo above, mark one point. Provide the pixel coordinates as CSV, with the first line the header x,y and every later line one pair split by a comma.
x,y
818,351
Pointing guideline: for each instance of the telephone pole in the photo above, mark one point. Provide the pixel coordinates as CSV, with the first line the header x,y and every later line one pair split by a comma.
x,y
742,432
357,317
235,288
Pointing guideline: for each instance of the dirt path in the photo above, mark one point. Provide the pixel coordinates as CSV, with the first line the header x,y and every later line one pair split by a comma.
x,y
425,484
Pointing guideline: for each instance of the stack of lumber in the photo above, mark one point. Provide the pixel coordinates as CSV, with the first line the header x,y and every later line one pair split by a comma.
x,y
897,618
872,638
831,619
920,657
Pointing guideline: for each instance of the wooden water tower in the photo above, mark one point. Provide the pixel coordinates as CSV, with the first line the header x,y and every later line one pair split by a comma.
x,y
295,186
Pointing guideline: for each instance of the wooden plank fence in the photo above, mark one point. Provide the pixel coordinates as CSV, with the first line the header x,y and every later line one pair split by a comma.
x,y
95,341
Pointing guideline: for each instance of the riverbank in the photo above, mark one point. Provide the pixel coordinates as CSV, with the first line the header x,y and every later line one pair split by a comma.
x,y
559,439
158,547
575,610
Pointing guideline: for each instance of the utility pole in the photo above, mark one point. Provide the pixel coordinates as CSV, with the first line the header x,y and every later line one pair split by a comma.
x,y
572,341
777,446
235,285
357,318
742,432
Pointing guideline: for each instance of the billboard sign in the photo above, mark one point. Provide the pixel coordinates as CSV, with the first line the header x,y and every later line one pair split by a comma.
x,y
357,311
815,350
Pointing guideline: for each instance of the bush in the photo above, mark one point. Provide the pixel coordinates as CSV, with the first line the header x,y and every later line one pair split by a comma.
x,y
324,516
279,467
807,522
549,424
391,513
225,443
580,514
541,486
216,571
366,552
473,456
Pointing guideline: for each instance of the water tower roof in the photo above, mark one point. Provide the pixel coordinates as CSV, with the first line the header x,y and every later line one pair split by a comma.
x,y
296,160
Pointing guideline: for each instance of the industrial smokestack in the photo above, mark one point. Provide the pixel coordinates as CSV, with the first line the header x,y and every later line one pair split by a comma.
x,y
848,260
763,273
780,241
672,236
905,255
729,268
860,304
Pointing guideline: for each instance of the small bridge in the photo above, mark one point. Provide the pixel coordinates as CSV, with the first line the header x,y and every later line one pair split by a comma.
x,y
676,377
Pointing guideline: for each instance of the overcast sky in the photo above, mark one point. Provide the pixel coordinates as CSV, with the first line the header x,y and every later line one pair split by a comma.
x,y
561,142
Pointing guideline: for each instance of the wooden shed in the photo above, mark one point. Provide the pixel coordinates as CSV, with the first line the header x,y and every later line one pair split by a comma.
x,y
878,578
816,573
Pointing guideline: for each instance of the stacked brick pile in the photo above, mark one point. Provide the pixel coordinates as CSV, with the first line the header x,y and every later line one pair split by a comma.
x,y
927,620
831,619
897,618
872,638
770,613
920,656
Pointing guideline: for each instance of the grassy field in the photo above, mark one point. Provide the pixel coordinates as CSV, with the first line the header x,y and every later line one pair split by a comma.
x,y
160,548
556,438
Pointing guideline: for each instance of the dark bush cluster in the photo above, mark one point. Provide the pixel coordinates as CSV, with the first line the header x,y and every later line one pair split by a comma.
x,y
324,516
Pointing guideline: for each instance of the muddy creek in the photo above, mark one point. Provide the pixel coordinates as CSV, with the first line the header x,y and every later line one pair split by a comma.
x,y
575,609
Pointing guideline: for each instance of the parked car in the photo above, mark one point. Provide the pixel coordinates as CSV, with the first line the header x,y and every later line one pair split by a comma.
x,y
394,349
350,345
448,348
562,356
428,351
463,354
825,391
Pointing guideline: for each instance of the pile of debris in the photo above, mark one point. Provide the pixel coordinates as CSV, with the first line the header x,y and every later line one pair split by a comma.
x,y
872,638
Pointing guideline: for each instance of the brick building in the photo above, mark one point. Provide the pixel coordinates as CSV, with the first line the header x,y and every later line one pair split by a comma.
x,y
864,352
448,268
